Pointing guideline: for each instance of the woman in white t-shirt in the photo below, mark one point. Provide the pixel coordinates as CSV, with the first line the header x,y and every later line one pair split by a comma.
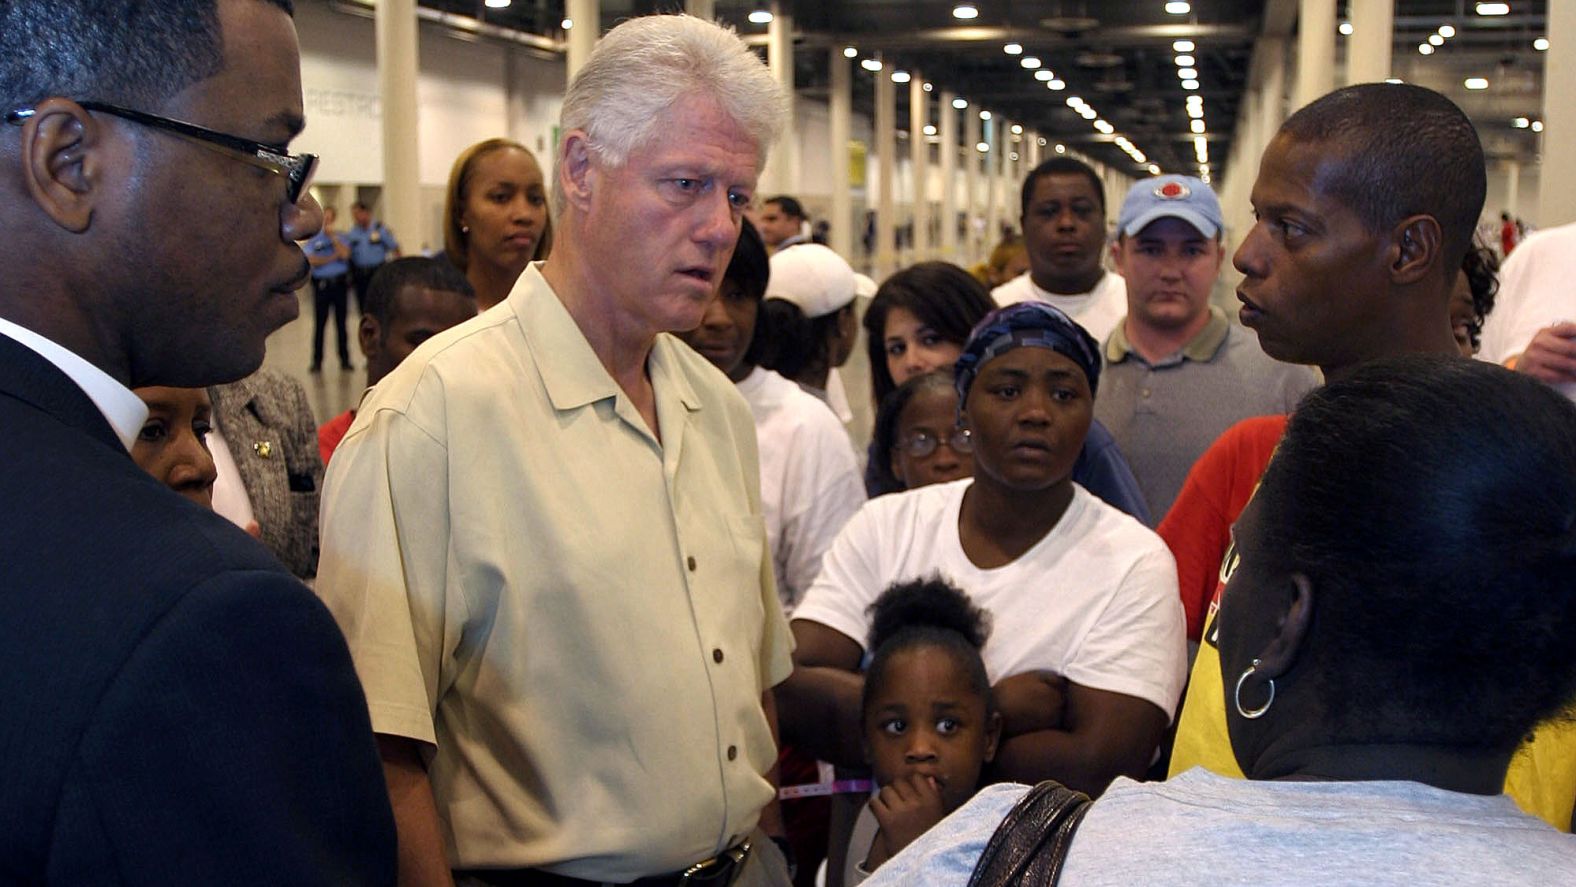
x,y
1088,657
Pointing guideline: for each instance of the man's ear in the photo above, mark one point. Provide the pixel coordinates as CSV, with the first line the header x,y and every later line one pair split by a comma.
x,y
1417,245
1116,251
576,172
63,161
370,336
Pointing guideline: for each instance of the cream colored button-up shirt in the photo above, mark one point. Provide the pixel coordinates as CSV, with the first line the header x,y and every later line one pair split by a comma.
x,y
580,618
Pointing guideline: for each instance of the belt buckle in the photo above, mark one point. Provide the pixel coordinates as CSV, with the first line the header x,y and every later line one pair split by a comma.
x,y
727,861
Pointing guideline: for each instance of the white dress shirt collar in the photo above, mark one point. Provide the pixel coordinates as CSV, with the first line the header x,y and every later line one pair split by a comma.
x,y
124,411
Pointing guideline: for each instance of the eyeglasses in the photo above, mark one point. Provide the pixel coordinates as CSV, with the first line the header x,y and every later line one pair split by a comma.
x,y
296,169
922,443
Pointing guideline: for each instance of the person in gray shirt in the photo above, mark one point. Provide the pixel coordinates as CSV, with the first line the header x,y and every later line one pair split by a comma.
x,y
1177,372
1397,619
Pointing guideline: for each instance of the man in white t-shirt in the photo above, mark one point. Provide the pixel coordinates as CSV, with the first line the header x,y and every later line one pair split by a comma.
x,y
1533,326
1064,229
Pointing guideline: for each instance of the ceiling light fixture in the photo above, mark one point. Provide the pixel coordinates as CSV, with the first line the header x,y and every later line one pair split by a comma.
x,y
1057,84
567,23
1074,101
926,86
1493,9
1185,61
965,11
930,129
901,77
1182,46
1541,44
1187,73
1061,149
1178,7
1436,40
1393,80
1521,123
760,15
1029,62
1345,29
1043,75
1425,49
1013,49
871,65
1087,113
960,103
1475,83
1196,125
983,147
1447,31
1104,127
498,4
984,115
1154,170
1190,84
1017,130
1537,126
850,52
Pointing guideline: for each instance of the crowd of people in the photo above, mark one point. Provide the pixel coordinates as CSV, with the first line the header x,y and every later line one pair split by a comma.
x,y
603,590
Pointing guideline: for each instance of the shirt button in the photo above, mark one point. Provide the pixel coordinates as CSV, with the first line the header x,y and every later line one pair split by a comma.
x,y
733,752
716,655
691,563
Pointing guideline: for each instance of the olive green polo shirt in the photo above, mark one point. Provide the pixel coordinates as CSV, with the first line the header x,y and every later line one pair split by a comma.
x,y
1166,414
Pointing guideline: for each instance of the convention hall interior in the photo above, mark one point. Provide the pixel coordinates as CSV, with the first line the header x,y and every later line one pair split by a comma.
x,y
913,121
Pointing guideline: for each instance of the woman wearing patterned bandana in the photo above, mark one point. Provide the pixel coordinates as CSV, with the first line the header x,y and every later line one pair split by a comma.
x,y
1088,659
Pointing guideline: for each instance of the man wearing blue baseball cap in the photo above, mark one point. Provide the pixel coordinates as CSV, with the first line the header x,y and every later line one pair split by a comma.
x,y
1178,372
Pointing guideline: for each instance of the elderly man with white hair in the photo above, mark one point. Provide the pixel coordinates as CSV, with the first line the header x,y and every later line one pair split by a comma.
x,y
543,535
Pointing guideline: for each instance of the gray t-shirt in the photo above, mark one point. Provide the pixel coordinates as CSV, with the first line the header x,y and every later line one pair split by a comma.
x,y
1200,828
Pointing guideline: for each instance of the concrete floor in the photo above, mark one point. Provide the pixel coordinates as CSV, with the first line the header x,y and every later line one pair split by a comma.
x,y
290,352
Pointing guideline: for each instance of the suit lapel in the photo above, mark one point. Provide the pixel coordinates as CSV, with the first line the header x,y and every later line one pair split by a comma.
x,y
31,379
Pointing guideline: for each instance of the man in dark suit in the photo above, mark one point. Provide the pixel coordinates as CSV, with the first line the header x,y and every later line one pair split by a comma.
x,y
174,707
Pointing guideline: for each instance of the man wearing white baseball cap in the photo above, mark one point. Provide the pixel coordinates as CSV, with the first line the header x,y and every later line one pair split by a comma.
x,y
1178,372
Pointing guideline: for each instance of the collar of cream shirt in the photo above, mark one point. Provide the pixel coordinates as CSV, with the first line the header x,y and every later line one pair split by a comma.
x,y
124,411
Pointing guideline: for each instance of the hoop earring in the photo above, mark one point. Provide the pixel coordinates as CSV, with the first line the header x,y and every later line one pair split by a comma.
x,y
1253,714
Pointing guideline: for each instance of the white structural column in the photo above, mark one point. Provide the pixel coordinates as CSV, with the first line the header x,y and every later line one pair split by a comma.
x,y
919,150
396,53
971,179
947,132
1368,49
1273,106
706,9
992,160
783,162
886,151
1557,178
587,18
839,126
1315,50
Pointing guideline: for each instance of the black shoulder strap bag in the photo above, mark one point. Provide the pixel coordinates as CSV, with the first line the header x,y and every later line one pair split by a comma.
x,y
1030,845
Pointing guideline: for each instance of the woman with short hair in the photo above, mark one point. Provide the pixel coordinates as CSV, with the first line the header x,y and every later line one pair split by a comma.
x,y
1399,617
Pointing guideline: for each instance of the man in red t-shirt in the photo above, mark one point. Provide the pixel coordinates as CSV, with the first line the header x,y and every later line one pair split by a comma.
x,y
408,302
